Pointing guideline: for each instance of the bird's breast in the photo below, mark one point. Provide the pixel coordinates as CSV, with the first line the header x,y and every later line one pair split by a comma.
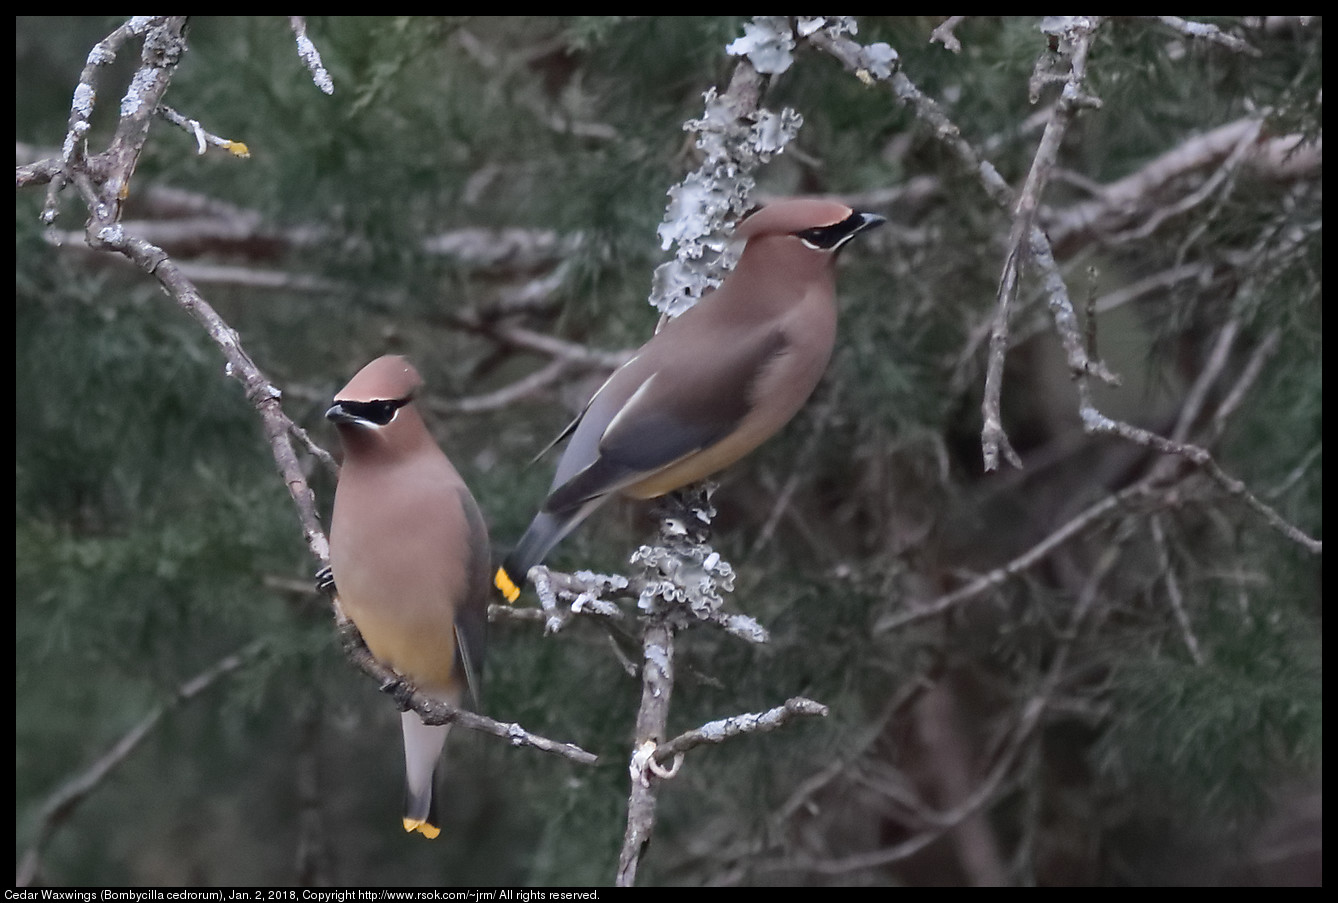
x,y
401,560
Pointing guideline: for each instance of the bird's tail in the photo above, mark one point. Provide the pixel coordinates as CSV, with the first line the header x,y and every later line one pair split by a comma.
x,y
422,755
545,531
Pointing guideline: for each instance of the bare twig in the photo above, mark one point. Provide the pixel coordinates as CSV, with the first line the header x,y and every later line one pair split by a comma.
x,y
313,854
528,339
435,711
149,83
681,582
202,138
1173,593
1097,423
943,33
524,387
1263,351
262,394
801,465
1089,518
870,734
62,803
736,725
657,684
102,187
38,172
1020,738
938,729
1158,487
1211,186
104,183
1041,255
1191,409
1207,32
310,55
1299,471
1121,204
564,596
1074,36
710,199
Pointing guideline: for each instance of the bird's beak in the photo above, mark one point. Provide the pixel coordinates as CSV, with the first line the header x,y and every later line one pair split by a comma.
x,y
870,221
854,224
337,414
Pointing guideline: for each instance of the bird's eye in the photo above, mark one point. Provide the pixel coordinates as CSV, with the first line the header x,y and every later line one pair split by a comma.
x,y
814,238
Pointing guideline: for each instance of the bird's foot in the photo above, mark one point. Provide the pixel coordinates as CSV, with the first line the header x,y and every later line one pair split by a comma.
x,y
399,690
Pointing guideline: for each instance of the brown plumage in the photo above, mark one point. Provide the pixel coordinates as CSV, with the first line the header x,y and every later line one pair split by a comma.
x,y
409,555
713,384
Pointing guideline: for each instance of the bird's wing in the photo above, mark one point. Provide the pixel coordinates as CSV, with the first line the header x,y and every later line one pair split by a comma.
x,y
695,398
471,615
566,431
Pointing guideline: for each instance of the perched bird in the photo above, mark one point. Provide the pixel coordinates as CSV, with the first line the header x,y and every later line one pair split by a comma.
x,y
410,559
712,384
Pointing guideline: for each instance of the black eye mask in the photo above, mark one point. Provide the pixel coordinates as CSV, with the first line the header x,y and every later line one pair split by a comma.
x,y
378,412
835,235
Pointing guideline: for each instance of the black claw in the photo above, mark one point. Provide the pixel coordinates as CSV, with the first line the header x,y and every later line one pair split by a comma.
x,y
399,690
325,581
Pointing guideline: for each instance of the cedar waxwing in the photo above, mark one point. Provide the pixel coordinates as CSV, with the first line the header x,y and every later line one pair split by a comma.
x,y
410,559
713,383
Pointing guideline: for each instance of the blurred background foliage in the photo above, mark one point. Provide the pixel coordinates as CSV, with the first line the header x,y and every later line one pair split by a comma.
x,y
154,537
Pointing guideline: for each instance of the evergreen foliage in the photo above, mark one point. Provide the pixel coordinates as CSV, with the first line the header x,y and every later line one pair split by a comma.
x,y
1182,707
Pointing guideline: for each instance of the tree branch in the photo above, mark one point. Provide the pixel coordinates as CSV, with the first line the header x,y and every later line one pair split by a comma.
x,y
61,804
102,182
436,711
1039,249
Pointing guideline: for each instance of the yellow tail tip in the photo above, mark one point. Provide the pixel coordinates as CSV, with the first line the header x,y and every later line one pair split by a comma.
x,y
507,586
427,829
